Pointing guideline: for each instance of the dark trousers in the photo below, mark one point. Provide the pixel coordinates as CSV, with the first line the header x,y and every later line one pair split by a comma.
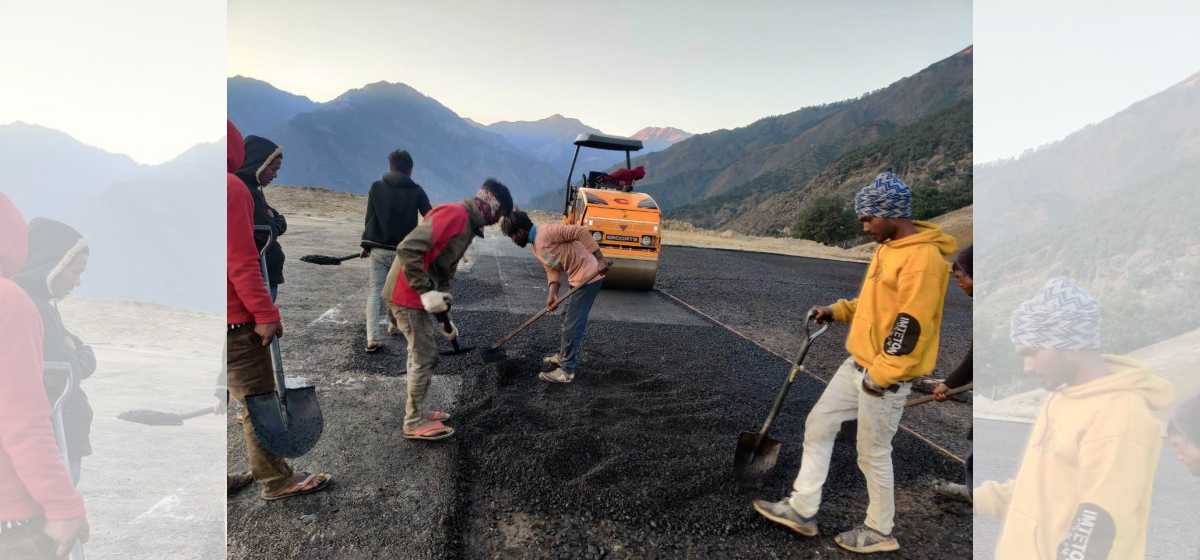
x,y
251,373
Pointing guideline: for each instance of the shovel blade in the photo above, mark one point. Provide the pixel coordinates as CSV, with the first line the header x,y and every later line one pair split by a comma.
x,y
754,458
492,355
151,417
291,433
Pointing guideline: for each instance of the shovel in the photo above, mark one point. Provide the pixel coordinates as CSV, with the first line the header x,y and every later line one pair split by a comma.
x,y
757,452
496,353
325,259
159,418
287,421
444,318
67,373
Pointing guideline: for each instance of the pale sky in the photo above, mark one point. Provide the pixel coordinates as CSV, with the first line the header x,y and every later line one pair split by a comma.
x,y
615,65
1046,69
144,78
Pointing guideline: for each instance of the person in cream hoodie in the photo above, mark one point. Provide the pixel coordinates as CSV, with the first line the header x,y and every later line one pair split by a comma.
x,y
1083,487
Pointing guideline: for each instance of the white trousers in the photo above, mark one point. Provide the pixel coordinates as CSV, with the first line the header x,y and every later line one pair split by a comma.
x,y
878,419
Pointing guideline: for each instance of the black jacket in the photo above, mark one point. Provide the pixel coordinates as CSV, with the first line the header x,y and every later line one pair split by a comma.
x,y
259,152
52,243
392,208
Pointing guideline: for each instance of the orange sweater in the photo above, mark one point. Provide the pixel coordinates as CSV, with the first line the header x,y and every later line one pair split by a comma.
x,y
566,248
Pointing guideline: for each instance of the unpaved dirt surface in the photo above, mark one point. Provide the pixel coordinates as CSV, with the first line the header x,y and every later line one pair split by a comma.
x,y
151,491
632,460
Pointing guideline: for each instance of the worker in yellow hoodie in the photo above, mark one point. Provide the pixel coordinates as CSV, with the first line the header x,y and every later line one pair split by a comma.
x,y
894,327
1083,487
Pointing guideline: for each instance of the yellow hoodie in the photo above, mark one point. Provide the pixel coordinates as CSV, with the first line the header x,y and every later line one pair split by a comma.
x,y
1083,488
896,320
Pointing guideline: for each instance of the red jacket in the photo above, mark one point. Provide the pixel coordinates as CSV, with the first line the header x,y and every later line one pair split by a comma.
x,y
33,479
427,242
246,297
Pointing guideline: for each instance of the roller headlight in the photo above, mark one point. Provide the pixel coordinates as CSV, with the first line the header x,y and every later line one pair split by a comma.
x,y
647,241
597,236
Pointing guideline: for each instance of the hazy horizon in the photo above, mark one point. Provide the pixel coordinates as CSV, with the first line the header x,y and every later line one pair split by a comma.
x,y
617,67
144,86
1046,70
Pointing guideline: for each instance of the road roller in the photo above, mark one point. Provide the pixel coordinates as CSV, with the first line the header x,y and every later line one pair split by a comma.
x,y
625,223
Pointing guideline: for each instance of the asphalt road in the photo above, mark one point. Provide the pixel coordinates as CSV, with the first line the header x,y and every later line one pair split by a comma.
x,y
630,461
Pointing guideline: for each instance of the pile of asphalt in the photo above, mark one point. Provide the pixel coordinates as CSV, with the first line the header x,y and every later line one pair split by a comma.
x,y
633,459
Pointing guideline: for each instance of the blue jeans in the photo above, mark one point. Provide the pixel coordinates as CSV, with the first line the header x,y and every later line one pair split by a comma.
x,y
274,292
574,326
377,272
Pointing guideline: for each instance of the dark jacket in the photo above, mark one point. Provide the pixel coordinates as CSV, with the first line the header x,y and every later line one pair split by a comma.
x,y
52,243
260,152
428,257
392,208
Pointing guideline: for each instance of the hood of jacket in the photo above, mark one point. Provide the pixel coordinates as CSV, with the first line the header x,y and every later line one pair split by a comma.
x,y
1128,377
235,148
927,232
259,153
52,246
14,244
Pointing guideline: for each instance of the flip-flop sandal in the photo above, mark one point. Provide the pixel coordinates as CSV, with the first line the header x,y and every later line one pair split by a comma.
x,y
309,484
236,482
430,431
437,416
373,348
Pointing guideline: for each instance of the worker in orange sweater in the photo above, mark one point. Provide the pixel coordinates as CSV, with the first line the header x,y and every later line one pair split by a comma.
x,y
570,249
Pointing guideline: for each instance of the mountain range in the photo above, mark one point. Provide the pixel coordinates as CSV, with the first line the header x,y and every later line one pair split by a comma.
x,y
759,178
155,232
1111,207
343,143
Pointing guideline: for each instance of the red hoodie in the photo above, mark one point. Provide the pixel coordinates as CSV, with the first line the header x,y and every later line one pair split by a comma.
x,y
33,479
247,299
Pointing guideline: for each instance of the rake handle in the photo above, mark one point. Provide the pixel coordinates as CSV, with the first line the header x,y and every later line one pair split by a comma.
x,y
544,311
950,393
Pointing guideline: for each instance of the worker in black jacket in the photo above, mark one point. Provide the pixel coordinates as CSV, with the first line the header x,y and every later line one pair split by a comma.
x,y
264,158
393,206
959,377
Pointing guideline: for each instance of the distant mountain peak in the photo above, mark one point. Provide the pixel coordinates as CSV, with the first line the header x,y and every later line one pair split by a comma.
x,y
667,134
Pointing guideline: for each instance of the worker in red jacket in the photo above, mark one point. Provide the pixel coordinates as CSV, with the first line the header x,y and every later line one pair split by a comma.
x,y
253,320
41,512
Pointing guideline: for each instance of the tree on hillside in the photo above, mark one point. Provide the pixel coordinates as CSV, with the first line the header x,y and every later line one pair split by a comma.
x,y
827,220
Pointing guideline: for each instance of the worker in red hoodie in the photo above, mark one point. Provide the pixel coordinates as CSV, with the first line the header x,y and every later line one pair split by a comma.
x,y
418,289
253,320
41,512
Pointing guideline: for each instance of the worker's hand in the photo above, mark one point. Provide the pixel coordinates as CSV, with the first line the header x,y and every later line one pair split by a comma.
x,y
552,297
871,387
267,331
452,333
821,313
64,533
940,392
436,302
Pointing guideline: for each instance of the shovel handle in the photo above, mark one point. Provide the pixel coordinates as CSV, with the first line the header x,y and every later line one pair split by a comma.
x,y
276,357
926,398
544,311
797,367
